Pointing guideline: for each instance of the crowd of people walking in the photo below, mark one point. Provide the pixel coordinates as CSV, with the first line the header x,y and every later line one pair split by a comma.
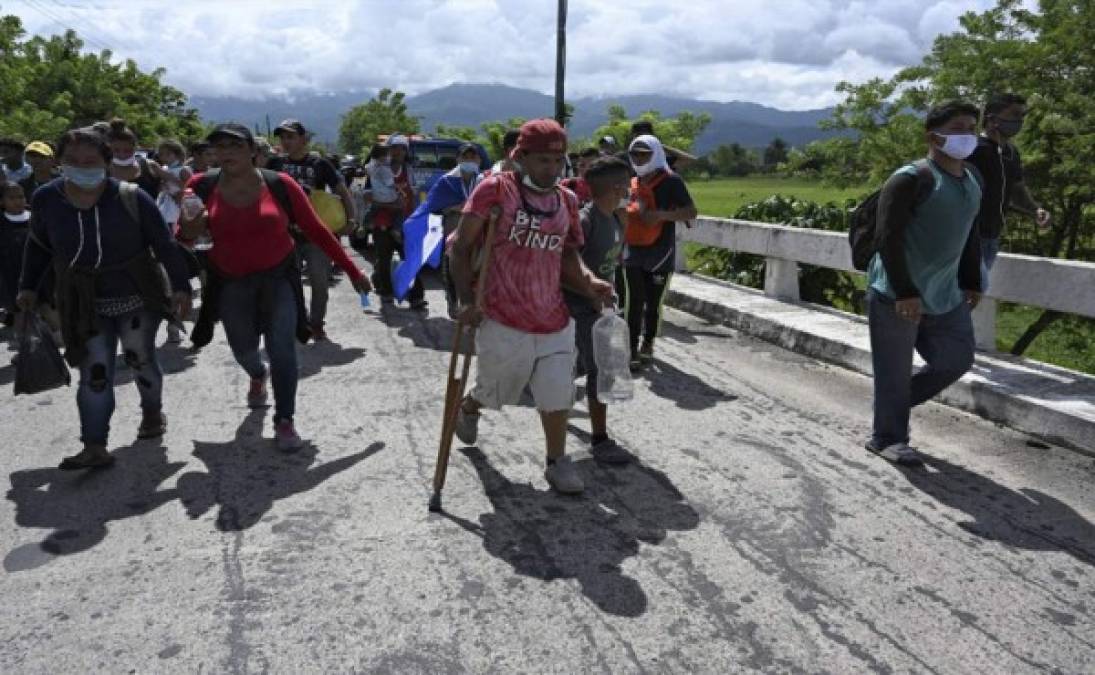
x,y
107,237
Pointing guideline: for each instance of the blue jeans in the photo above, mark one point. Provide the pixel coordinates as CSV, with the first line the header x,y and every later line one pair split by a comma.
x,y
944,341
989,250
264,306
95,393
319,278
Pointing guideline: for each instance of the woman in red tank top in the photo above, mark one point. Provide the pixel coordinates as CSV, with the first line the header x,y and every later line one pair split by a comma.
x,y
255,282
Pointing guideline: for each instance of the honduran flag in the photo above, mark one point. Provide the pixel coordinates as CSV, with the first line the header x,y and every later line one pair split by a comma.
x,y
423,234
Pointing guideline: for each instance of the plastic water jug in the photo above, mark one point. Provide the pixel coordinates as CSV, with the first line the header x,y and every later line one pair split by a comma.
x,y
192,205
612,354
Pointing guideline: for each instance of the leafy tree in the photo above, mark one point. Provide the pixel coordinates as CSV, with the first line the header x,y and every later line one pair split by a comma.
x,y
776,153
679,131
493,133
733,160
1045,54
384,114
50,85
469,134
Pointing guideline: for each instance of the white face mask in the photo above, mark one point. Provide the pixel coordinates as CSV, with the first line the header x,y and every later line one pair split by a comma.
x,y
132,161
623,203
958,146
19,217
529,183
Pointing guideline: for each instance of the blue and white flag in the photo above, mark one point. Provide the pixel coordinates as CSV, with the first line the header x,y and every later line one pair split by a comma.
x,y
423,234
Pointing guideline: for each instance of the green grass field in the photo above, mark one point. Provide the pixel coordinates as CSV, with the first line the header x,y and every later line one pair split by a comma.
x,y
721,197
1068,342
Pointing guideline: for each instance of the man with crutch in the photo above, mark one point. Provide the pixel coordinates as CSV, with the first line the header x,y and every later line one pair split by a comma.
x,y
525,332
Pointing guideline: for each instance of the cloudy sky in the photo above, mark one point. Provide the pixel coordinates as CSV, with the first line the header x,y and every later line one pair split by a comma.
x,y
786,53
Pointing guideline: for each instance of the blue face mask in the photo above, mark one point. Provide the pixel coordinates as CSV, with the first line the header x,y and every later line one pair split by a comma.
x,y
87,179
469,167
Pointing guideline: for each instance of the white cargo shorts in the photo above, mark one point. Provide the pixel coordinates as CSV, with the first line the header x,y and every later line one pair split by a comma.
x,y
509,359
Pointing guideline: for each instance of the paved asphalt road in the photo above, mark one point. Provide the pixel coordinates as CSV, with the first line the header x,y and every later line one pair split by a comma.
x,y
755,535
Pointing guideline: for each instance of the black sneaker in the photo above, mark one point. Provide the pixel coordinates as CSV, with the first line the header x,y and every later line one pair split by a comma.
x,y
420,305
153,425
646,352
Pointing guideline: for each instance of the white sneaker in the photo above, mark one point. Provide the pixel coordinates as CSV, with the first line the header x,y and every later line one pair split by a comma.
x,y
898,453
563,476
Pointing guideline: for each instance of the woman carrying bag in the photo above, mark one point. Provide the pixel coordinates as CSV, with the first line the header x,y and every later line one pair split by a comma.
x,y
106,241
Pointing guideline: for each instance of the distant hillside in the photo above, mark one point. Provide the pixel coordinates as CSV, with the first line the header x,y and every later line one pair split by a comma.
x,y
751,124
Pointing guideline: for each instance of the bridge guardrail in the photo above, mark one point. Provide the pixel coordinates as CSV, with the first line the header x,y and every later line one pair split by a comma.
x,y
1063,285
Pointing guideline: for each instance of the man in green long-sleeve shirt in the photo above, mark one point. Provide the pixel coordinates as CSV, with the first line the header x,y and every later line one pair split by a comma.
x,y
925,278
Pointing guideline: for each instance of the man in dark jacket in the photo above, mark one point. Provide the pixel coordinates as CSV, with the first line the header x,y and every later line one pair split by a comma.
x,y
1001,167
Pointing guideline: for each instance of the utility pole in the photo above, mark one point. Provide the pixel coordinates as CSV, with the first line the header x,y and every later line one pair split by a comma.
x,y
561,64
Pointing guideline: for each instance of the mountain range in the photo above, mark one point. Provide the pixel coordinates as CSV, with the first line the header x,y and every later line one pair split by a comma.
x,y
750,124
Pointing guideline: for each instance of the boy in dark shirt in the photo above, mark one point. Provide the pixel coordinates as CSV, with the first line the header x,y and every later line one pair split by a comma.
x,y
607,179
313,172
14,226
1002,172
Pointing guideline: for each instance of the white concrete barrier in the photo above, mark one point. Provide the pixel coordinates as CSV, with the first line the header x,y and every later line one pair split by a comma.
x,y
1063,285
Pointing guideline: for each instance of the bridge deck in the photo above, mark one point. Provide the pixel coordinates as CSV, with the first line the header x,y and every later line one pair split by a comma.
x,y
755,535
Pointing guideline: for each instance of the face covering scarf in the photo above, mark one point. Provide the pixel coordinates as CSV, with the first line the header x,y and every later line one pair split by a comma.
x,y
657,159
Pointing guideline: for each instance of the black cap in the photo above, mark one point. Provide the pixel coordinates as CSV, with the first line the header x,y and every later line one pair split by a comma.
x,y
464,147
291,125
233,130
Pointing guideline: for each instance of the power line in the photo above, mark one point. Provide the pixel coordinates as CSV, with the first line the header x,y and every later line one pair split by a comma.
x,y
77,11
65,23
69,11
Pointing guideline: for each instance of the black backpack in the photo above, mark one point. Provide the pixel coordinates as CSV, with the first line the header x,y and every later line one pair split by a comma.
x,y
864,220
204,187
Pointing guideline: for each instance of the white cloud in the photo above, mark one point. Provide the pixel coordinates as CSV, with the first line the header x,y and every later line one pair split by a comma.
x,y
788,53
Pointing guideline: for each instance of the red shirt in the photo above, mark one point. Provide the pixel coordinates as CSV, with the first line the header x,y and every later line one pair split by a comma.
x,y
385,218
256,238
524,283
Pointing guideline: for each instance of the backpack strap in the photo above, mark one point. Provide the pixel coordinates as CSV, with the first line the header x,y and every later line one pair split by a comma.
x,y
277,188
204,188
128,194
925,181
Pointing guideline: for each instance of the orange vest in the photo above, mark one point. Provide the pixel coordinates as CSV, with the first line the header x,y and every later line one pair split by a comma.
x,y
639,233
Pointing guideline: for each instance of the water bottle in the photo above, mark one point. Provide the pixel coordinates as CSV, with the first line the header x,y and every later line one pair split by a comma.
x,y
364,301
192,205
612,354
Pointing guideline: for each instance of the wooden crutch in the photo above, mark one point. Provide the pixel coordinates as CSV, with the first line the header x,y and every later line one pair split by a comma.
x,y
455,387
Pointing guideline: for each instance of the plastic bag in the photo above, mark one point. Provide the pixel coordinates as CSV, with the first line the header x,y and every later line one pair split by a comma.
x,y
612,354
39,366
169,208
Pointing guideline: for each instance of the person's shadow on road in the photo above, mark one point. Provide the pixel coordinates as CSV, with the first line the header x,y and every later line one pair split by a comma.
x,y
548,537
433,332
77,506
687,391
1026,518
314,357
247,475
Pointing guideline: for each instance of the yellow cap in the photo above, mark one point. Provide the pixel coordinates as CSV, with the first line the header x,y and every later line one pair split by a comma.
x,y
39,148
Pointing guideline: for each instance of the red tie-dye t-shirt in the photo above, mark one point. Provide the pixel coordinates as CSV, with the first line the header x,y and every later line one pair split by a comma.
x,y
524,282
